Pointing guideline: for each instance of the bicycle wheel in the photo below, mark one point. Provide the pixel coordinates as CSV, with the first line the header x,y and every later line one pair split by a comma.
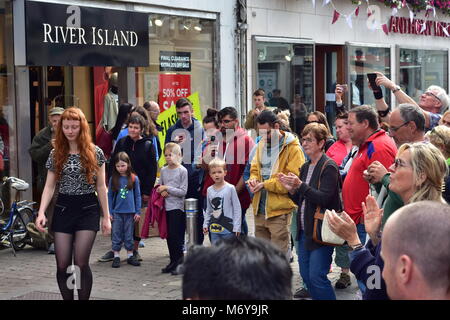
x,y
19,232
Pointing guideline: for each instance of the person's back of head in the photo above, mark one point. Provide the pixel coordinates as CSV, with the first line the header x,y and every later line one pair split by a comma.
x,y
416,251
244,268
211,117
440,137
267,116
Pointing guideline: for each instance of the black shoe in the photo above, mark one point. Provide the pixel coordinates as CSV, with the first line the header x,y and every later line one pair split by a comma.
x,y
137,255
302,293
343,281
133,261
169,268
116,262
109,256
177,269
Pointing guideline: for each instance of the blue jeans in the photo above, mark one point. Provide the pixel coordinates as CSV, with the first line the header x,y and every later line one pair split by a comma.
x,y
123,231
314,267
244,225
216,236
362,234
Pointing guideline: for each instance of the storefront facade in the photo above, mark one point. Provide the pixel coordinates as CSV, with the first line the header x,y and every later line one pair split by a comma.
x,y
189,49
296,48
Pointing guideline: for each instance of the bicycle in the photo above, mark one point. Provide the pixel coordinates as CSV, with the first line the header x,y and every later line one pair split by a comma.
x,y
14,232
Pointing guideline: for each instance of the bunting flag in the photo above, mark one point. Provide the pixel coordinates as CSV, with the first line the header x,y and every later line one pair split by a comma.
x,y
313,3
349,21
385,28
335,16
375,24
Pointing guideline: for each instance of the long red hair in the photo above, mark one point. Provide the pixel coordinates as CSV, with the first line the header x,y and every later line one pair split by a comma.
x,y
85,145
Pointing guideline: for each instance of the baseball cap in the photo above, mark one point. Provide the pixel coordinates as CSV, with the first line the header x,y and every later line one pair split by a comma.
x,y
56,111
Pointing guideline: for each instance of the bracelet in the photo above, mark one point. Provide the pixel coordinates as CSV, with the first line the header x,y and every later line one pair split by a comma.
x,y
383,113
397,88
359,246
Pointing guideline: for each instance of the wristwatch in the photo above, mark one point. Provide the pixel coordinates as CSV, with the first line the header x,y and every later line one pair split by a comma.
x,y
397,88
359,246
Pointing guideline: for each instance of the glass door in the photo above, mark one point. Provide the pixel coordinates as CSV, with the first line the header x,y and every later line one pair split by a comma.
x,y
284,69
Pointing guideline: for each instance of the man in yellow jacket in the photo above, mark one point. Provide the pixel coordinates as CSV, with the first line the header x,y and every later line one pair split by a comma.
x,y
277,152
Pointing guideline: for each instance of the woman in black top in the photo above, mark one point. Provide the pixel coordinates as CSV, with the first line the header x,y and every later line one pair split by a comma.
x,y
77,166
318,186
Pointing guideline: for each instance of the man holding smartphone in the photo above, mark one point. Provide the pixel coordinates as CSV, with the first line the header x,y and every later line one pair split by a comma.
x,y
434,101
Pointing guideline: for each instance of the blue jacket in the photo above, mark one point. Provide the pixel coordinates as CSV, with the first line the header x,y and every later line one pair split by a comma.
x,y
197,134
124,200
365,264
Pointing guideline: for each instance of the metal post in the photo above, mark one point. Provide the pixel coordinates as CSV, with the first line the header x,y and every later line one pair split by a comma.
x,y
190,206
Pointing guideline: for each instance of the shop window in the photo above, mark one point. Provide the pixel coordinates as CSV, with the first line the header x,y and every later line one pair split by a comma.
x,y
420,69
285,72
361,61
181,62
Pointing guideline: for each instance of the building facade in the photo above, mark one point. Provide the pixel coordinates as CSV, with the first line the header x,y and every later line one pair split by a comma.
x,y
295,47
62,53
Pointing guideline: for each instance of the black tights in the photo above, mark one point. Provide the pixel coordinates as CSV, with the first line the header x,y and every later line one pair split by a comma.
x,y
78,247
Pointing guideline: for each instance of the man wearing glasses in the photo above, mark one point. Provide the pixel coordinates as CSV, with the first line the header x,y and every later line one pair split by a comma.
x,y
434,101
234,148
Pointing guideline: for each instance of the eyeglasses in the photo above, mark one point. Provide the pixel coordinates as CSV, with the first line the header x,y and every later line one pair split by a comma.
x,y
398,163
395,129
431,94
309,140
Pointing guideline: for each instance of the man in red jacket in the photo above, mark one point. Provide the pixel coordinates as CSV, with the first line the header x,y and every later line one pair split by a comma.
x,y
234,147
374,145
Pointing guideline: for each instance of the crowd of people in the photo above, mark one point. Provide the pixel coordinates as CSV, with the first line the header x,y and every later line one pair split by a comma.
x,y
387,185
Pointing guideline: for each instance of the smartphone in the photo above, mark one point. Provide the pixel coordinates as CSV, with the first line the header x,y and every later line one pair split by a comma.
x,y
344,87
373,84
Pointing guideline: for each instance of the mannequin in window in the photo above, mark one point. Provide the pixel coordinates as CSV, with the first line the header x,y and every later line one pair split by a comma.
x,y
111,104
355,94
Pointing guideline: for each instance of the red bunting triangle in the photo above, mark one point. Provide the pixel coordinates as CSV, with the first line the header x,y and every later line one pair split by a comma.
x,y
357,11
385,28
335,16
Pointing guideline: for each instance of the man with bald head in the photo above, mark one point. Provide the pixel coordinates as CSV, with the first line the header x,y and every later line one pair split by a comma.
x,y
416,252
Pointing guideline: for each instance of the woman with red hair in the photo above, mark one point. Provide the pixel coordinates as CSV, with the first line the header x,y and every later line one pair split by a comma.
x,y
77,167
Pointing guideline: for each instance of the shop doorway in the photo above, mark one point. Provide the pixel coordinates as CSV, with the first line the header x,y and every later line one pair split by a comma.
x,y
330,69
57,86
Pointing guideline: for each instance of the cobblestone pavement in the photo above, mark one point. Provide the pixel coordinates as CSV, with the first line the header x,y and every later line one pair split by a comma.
x,y
32,274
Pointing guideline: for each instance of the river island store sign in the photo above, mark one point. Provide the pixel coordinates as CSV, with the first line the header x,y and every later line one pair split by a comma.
x,y
62,35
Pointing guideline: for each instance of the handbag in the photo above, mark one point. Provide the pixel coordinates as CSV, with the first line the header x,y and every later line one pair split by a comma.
x,y
103,140
322,233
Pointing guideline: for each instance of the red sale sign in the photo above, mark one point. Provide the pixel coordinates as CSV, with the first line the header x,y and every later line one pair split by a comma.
x,y
173,87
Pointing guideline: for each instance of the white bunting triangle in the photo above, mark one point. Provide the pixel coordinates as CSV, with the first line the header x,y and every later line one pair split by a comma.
x,y
325,2
424,26
349,21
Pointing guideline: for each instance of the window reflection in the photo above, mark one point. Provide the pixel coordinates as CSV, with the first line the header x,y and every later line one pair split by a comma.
x,y
285,72
364,60
420,69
